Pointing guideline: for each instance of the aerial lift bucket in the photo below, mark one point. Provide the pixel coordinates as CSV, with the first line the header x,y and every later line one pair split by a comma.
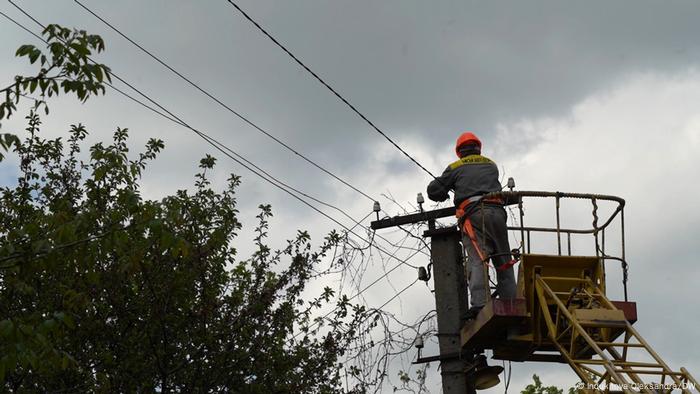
x,y
562,314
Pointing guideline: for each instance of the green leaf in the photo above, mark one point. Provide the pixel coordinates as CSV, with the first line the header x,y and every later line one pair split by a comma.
x,y
23,50
168,284
93,277
65,362
97,71
33,55
68,321
80,48
49,325
7,141
6,327
43,85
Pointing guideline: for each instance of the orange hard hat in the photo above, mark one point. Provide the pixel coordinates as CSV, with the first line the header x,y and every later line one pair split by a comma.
x,y
467,138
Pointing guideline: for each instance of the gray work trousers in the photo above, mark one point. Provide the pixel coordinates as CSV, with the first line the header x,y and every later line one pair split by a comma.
x,y
490,229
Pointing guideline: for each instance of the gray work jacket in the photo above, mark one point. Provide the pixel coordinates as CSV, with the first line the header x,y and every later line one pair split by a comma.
x,y
469,176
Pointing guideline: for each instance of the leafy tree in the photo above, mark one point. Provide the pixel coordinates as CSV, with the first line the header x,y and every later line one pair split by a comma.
x,y
538,388
103,290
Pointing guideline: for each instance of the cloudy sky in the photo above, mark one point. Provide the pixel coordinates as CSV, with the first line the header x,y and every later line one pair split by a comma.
x,y
584,97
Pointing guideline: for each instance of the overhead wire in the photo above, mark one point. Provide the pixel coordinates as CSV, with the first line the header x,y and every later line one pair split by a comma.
x,y
221,103
213,142
397,294
386,273
328,86
367,288
219,146
369,355
239,115
223,148
415,326
173,118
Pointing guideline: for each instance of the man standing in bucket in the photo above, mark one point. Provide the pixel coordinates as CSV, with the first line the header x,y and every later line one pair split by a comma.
x,y
482,220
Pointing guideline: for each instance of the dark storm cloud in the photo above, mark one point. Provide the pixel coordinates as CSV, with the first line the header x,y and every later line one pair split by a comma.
x,y
440,67
419,70
422,71
415,68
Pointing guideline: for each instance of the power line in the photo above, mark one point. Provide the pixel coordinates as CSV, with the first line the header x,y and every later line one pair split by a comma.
x,y
268,177
382,277
212,141
328,86
221,147
245,119
397,294
22,26
238,114
370,285
222,104
216,144
175,119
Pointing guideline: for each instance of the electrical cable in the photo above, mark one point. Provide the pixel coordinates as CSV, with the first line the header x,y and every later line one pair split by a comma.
x,y
218,145
398,294
508,375
218,101
366,288
324,83
174,118
222,104
210,140
215,143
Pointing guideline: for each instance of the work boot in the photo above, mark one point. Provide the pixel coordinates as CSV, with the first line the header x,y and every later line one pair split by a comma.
x,y
472,312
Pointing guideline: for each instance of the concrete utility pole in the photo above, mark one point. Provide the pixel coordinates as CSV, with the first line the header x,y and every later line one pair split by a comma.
x,y
451,304
450,297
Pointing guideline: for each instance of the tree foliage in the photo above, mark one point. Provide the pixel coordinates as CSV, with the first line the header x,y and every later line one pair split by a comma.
x,y
538,388
104,290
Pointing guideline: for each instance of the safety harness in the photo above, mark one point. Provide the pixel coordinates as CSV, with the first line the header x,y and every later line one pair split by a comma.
x,y
464,211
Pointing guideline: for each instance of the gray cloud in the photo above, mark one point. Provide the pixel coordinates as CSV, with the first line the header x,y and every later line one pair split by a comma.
x,y
423,71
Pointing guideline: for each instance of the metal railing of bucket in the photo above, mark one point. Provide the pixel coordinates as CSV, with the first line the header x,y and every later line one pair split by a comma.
x,y
597,230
